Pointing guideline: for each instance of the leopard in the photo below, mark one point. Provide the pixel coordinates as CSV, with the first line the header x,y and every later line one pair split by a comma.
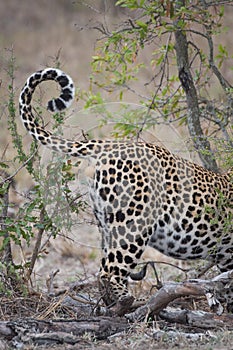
x,y
142,195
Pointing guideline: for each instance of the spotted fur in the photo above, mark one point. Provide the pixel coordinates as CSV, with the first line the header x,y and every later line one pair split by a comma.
x,y
142,195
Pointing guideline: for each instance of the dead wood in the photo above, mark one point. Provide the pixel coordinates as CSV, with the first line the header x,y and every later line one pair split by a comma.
x,y
177,335
173,290
198,319
60,331
42,331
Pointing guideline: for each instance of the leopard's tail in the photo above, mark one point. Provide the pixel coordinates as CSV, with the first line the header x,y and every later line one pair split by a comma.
x,y
73,148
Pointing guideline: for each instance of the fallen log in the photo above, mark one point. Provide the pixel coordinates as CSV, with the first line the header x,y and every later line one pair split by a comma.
x,y
198,319
57,331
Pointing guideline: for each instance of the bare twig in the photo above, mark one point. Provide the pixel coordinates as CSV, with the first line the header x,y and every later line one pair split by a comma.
x,y
9,178
49,282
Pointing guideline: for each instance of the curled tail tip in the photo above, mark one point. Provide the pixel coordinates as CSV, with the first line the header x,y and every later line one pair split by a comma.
x,y
64,80
67,91
60,103
55,105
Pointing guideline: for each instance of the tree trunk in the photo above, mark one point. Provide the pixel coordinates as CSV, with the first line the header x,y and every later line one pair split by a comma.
x,y
200,141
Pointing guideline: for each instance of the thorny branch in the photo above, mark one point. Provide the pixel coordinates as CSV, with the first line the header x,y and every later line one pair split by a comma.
x,y
37,244
6,253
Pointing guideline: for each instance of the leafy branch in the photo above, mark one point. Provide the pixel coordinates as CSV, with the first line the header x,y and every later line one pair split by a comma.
x,y
172,33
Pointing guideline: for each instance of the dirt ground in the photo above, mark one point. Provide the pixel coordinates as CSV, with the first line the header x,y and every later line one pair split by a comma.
x,y
39,32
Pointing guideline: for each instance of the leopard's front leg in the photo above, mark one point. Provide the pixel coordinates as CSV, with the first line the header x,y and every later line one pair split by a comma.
x,y
116,266
113,277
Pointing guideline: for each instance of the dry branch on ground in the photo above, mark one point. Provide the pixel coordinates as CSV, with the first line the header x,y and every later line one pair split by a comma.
x,y
173,290
71,331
